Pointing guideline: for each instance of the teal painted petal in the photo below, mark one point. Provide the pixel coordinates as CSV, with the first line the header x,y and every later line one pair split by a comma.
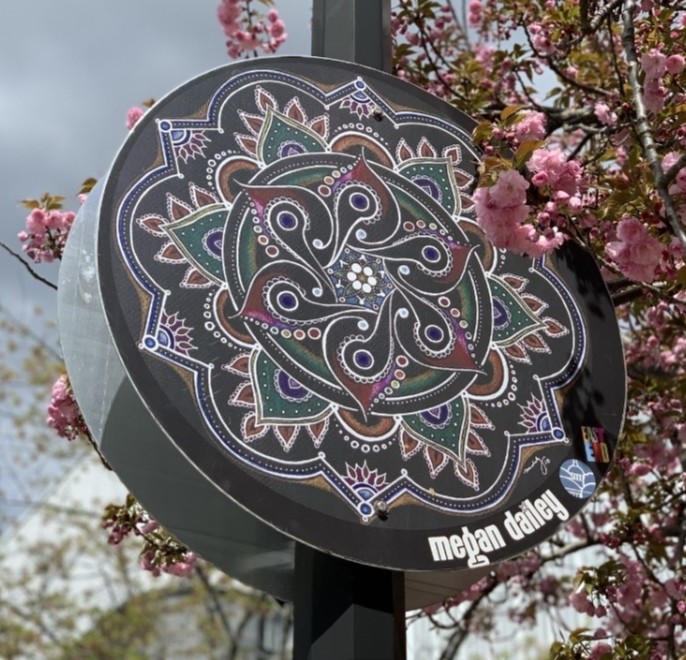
x,y
512,318
281,399
199,236
435,177
281,137
444,427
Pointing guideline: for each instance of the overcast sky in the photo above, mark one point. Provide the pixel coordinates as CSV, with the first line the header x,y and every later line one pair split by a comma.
x,y
69,70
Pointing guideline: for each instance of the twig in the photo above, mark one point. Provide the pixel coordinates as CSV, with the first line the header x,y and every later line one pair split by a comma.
x,y
642,126
214,597
594,24
583,17
671,173
25,615
592,89
558,72
28,267
627,295
95,446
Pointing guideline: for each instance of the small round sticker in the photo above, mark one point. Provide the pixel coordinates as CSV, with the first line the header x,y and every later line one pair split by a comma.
x,y
577,479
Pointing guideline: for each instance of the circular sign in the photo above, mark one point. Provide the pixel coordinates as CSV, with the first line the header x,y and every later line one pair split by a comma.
x,y
295,281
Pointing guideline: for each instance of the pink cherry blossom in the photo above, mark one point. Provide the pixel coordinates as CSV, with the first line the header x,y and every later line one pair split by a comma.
x,y
247,31
654,63
636,253
133,117
502,212
532,126
674,64
540,38
474,13
552,168
64,414
46,234
604,114
509,189
182,567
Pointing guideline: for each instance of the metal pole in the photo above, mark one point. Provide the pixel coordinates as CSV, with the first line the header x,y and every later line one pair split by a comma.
x,y
343,610
353,30
346,611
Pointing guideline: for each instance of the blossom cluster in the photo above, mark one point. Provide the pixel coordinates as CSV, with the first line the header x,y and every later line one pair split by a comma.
x,y
656,65
248,32
525,202
64,414
47,227
161,553
636,253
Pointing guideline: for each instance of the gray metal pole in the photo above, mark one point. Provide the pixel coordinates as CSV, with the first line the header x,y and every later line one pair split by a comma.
x,y
353,30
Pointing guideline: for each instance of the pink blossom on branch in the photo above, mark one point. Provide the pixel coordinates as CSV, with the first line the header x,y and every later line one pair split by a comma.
x,y
554,171
248,32
636,253
45,235
161,552
604,115
502,212
133,116
183,565
531,126
64,414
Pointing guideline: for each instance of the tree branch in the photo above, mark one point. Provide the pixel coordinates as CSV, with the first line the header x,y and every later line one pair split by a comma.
x,y
671,173
590,27
642,126
219,609
28,267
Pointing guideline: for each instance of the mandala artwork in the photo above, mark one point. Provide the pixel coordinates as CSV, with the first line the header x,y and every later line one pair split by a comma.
x,y
297,266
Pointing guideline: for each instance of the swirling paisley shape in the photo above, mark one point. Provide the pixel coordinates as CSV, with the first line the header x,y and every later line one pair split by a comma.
x,y
348,216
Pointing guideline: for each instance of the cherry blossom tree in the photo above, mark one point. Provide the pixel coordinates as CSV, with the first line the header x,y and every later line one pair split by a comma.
x,y
580,109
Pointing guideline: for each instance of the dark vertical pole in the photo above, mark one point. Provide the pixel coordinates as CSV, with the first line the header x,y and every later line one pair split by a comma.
x,y
346,611
353,30
343,610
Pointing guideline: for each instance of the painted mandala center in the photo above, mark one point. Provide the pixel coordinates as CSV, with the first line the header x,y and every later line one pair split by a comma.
x,y
357,284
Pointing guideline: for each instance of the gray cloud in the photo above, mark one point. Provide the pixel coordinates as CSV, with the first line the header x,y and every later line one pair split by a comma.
x,y
69,71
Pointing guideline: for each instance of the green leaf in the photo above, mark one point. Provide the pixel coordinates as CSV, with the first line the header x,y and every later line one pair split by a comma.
x,y
482,132
580,635
509,111
87,186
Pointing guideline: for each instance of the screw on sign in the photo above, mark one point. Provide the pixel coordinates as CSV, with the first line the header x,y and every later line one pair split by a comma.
x,y
297,286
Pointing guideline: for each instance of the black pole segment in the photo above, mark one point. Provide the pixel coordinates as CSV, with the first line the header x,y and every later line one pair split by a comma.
x,y
353,30
343,610
346,611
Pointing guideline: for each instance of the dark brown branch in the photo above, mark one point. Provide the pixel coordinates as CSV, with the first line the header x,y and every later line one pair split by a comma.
x,y
591,26
671,173
26,265
627,295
